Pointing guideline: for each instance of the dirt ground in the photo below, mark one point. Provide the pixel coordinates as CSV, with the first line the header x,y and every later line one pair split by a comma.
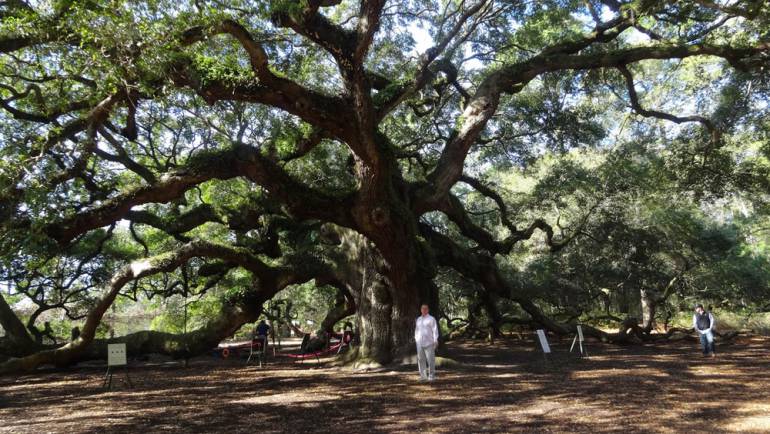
x,y
500,388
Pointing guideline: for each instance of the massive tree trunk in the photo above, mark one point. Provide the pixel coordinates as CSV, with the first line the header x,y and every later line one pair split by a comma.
x,y
387,298
389,270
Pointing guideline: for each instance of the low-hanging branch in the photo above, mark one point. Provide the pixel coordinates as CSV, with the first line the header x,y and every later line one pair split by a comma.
x,y
271,279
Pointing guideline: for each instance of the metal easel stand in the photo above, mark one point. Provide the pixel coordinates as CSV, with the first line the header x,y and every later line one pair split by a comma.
x,y
260,353
107,383
583,351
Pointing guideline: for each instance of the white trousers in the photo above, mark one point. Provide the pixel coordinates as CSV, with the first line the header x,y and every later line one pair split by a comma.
x,y
426,361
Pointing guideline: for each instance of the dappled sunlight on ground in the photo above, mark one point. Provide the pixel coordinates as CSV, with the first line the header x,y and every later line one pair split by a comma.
x,y
288,398
502,388
752,417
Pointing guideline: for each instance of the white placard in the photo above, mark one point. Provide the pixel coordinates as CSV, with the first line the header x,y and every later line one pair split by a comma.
x,y
580,333
543,341
116,354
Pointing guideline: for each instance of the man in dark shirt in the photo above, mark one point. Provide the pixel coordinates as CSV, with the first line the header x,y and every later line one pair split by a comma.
x,y
703,323
262,328
261,333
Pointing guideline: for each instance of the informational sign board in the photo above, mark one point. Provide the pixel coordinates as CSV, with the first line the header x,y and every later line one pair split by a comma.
x,y
116,355
543,341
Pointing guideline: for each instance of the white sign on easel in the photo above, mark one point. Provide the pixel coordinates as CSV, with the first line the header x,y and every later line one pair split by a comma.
x,y
543,341
116,355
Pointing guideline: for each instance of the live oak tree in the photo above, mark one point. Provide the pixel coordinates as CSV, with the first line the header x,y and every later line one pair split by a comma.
x,y
649,249
289,141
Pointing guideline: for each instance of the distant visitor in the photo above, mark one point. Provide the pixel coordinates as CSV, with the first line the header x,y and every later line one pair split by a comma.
x,y
704,323
261,332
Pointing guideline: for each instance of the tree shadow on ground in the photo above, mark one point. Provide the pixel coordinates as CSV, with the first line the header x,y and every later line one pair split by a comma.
x,y
498,388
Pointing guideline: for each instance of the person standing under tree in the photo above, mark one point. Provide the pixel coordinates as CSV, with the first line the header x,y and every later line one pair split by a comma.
x,y
704,323
261,333
426,338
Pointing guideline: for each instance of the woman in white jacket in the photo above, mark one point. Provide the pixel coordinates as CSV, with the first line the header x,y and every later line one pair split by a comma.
x,y
426,338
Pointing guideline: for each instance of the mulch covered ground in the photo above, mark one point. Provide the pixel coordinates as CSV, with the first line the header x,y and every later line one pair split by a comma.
x,y
500,388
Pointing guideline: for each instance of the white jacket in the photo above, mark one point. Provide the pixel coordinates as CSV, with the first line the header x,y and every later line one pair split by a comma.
x,y
426,331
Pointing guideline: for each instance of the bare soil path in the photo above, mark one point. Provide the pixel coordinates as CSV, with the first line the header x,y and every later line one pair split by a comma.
x,y
502,388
